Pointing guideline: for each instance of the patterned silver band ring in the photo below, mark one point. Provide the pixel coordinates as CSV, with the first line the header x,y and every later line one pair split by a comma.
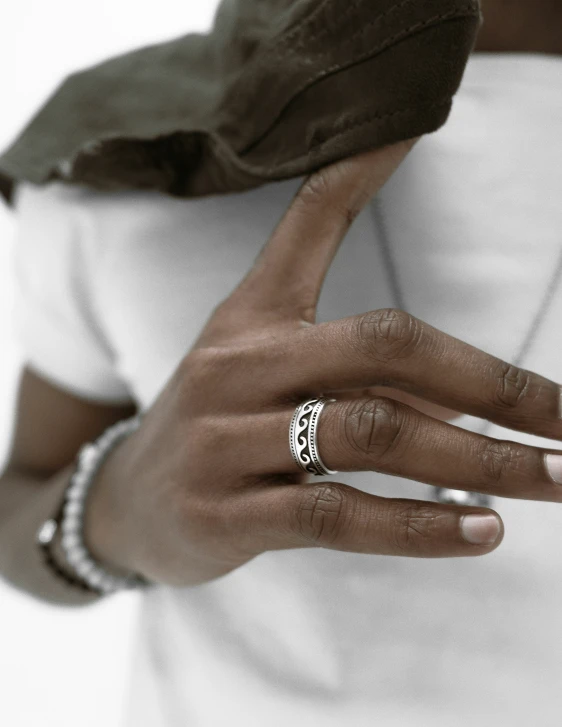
x,y
303,437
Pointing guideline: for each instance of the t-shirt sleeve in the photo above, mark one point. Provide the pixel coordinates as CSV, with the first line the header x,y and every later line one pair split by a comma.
x,y
54,320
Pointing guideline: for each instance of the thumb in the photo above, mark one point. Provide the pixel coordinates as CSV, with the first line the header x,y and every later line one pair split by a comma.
x,y
287,277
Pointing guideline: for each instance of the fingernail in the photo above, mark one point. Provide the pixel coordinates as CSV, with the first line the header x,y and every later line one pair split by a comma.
x,y
480,529
554,467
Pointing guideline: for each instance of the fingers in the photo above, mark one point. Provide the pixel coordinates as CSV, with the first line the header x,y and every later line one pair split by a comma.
x,y
393,348
288,275
336,516
383,435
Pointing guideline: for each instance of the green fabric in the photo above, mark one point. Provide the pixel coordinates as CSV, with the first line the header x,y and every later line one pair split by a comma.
x,y
277,89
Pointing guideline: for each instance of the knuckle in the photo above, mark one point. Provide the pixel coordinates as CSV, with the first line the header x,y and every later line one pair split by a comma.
x,y
321,188
211,435
497,460
375,427
315,188
416,528
389,333
204,372
512,383
322,514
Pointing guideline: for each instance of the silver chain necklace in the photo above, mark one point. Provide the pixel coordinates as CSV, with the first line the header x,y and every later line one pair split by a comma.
x,y
444,494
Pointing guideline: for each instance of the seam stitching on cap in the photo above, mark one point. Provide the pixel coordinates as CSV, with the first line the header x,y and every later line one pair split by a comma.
x,y
338,67
325,31
373,119
459,11
355,123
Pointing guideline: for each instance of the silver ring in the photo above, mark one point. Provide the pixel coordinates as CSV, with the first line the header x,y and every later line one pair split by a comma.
x,y
303,437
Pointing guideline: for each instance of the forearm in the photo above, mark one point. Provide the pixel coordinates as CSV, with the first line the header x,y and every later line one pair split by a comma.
x,y
26,501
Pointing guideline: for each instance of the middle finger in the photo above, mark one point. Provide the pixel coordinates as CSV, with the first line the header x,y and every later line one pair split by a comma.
x,y
392,348
384,435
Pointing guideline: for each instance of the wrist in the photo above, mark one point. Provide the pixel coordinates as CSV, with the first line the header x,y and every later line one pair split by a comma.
x,y
107,523
88,570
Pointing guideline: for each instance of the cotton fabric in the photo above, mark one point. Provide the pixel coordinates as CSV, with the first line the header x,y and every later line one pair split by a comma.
x,y
113,291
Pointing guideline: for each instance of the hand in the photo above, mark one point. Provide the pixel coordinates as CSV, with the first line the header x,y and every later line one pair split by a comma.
x,y
208,481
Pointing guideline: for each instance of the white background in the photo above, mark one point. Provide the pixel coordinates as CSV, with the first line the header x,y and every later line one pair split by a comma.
x,y
64,667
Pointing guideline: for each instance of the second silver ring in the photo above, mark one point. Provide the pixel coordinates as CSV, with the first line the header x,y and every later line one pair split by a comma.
x,y
303,437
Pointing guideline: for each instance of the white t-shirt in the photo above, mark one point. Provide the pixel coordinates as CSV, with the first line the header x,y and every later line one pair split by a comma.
x,y
467,235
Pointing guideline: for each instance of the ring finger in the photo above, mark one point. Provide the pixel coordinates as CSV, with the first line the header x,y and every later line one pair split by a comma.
x,y
384,435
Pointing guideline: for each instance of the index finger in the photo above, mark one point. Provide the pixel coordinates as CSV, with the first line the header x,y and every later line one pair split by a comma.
x,y
289,272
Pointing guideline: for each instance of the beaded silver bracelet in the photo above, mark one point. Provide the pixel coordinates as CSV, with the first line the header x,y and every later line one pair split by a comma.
x,y
88,574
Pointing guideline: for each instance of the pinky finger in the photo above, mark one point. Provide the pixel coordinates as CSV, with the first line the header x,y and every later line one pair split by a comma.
x,y
337,516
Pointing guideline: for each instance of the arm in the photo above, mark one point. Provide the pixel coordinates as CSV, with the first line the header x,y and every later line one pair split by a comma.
x,y
51,425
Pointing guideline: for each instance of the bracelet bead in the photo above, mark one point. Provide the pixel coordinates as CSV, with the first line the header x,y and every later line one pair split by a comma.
x,y
88,574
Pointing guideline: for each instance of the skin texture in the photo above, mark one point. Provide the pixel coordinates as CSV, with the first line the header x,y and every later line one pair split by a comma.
x,y
166,506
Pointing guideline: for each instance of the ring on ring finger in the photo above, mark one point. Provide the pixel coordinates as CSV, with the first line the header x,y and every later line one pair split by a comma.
x,y
303,437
